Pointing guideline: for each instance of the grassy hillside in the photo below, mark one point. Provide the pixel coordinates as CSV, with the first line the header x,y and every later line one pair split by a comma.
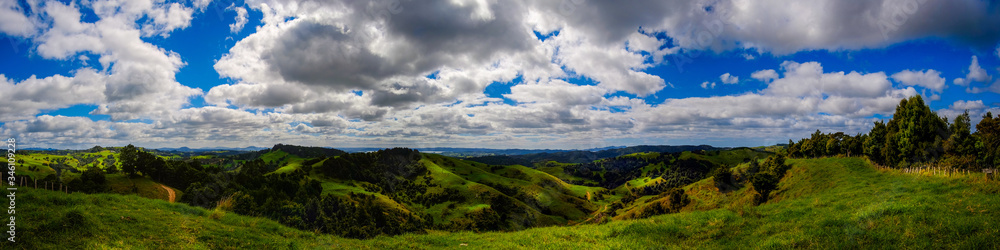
x,y
549,196
821,203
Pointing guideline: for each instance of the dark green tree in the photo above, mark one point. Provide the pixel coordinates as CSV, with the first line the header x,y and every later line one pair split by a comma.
x,y
988,146
93,181
129,157
915,132
793,149
766,180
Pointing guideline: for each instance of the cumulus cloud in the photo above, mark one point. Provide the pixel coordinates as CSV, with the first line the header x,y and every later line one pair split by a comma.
x,y
808,79
708,85
13,21
368,61
976,74
382,73
167,19
805,96
615,69
557,92
995,88
970,105
137,79
241,18
976,109
729,79
930,79
30,96
765,75
387,54
783,27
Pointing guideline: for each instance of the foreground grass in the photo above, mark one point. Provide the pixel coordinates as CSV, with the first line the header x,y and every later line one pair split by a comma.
x,y
822,203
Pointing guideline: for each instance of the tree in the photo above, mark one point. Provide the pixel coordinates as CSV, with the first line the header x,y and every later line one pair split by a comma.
x,y
854,145
109,166
149,165
766,180
988,132
834,143
961,132
793,149
130,160
807,147
93,181
916,131
723,177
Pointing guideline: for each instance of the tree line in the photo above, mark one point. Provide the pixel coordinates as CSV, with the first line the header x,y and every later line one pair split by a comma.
x,y
914,135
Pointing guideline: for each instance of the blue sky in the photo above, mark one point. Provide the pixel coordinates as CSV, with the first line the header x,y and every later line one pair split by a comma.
x,y
481,73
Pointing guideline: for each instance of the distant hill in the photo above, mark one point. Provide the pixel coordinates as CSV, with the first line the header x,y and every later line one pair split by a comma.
x,y
585,156
187,149
308,152
465,152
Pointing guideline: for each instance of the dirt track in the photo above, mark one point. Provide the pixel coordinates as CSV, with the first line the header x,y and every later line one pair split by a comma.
x,y
170,191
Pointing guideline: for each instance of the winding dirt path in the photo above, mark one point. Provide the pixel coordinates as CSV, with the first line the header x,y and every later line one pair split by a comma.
x,y
170,192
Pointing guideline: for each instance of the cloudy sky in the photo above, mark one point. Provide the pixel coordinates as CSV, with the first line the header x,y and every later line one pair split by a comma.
x,y
568,74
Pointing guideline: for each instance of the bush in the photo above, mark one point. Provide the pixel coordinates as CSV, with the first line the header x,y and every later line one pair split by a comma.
x,y
723,177
92,181
217,214
766,179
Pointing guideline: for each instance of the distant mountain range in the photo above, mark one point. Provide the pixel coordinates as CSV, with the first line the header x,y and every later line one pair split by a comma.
x,y
187,149
581,156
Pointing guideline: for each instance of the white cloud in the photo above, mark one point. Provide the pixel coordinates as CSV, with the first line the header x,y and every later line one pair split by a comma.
x,y
930,79
201,4
729,79
807,98
783,27
995,88
557,91
765,75
976,74
167,19
808,79
971,105
414,74
30,96
708,85
13,21
138,76
616,69
241,18
976,110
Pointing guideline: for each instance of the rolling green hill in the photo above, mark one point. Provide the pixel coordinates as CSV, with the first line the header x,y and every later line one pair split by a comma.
x,y
820,203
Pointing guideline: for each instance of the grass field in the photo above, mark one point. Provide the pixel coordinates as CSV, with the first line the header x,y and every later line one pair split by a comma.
x,y
821,203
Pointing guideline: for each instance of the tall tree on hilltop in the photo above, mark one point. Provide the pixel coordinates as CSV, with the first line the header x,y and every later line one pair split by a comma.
x,y
915,133
988,132
129,157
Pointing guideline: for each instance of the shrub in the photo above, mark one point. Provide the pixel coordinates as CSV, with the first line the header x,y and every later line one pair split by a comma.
x,y
723,177
217,214
226,203
766,180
